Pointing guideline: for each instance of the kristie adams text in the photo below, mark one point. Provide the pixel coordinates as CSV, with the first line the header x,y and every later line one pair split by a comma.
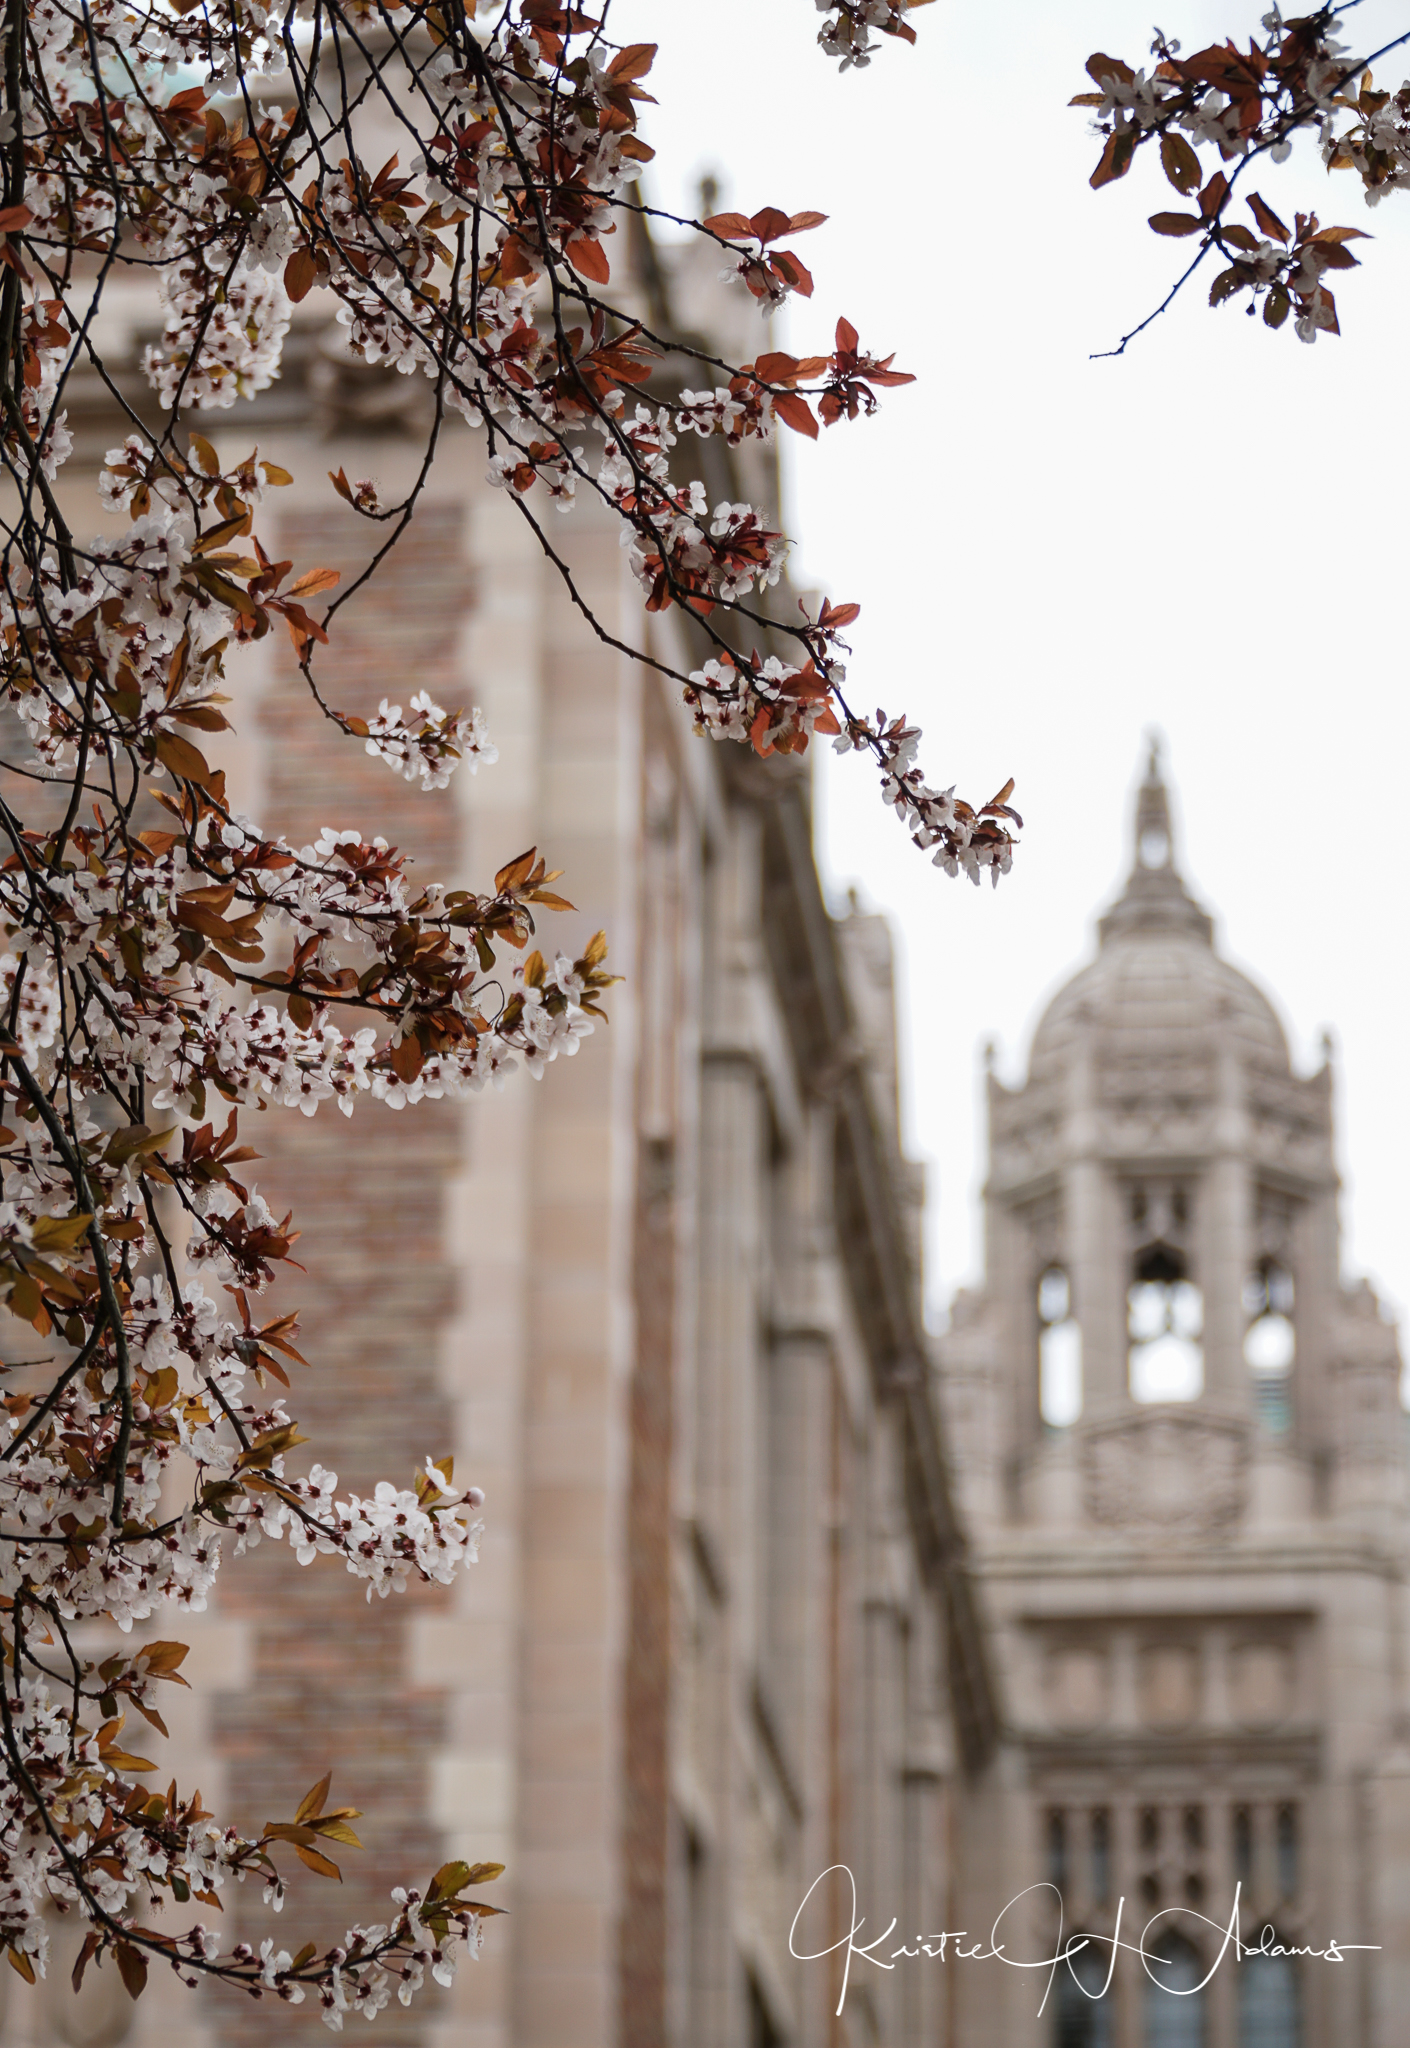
x,y
1005,1945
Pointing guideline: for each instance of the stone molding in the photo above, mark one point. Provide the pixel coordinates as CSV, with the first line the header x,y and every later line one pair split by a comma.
x,y
1166,1469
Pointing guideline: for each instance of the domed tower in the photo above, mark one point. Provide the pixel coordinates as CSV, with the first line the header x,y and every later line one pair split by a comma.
x,y
1180,1445
1164,1308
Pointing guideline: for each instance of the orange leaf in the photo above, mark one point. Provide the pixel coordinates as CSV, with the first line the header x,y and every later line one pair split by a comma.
x,y
633,62
313,1802
314,581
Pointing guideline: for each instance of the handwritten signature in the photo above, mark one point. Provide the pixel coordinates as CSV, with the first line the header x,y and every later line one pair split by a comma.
x,y
937,1945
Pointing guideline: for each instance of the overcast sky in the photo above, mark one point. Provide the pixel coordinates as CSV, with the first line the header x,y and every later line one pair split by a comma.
x,y
1054,553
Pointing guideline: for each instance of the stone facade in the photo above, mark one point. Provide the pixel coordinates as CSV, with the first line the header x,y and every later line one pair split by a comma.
x,y
662,1306
1183,1465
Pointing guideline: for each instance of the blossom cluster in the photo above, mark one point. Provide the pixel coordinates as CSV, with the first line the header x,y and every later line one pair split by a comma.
x,y
847,32
1243,104
964,840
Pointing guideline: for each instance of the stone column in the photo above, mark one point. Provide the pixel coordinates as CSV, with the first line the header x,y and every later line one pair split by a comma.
x,y
1224,1235
1094,1251
474,1649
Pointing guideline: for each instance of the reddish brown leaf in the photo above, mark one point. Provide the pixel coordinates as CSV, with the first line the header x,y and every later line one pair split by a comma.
x,y
407,1058
132,1968
182,758
768,224
589,259
795,412
733,226
1115,160
1214,195
1100,66
1267,220
300,274
1179,162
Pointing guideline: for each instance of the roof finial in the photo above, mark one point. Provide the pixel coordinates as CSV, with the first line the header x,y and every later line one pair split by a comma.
x,y
1154,841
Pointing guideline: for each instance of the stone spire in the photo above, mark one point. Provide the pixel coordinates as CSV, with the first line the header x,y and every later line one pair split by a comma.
x,y
1155,896
1155,846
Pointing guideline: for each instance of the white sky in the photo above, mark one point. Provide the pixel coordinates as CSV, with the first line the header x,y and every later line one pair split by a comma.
x,y
1053,553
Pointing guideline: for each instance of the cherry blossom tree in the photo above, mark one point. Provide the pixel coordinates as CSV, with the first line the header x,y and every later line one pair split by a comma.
x,y
1213,115
168,962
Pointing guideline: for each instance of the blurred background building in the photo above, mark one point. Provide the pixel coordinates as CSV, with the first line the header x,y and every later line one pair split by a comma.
x,y
663,1306
726,1631
1182,1459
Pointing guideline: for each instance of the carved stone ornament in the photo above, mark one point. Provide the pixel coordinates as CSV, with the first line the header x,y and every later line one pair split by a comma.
x,y
1166,1471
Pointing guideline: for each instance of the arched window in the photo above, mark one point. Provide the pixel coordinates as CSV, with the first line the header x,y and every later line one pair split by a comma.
x,y
1082,2015
1165,1328
1271,1343
1243,1846
1174,2009
1101,1855
1270,2005
1287,1852
1059,1351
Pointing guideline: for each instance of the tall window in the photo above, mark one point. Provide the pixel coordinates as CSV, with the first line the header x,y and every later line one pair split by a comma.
x,y
1243,1846
1059,1351
1057,1850
1101,1856
1082,2016
1165,1328
762,2031
1174,2010
1271,1343
1270,2005
1287,1852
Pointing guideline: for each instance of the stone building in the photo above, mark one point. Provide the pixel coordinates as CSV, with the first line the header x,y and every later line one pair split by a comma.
x,y
1183,1467
662,1305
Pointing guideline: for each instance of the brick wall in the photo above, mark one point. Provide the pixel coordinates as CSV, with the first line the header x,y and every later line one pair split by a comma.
x,y
329,1682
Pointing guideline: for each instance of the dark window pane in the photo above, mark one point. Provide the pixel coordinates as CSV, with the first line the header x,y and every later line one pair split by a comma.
x,y
1101,1856
1270,2009
1057,1850
1174,2010
1243,1845
1287,1852
1083,2017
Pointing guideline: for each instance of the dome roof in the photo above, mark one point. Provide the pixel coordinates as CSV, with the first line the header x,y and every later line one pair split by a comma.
x,y
1157,988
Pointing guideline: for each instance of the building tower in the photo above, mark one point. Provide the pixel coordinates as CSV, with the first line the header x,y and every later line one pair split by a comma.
x,y
1183,1463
